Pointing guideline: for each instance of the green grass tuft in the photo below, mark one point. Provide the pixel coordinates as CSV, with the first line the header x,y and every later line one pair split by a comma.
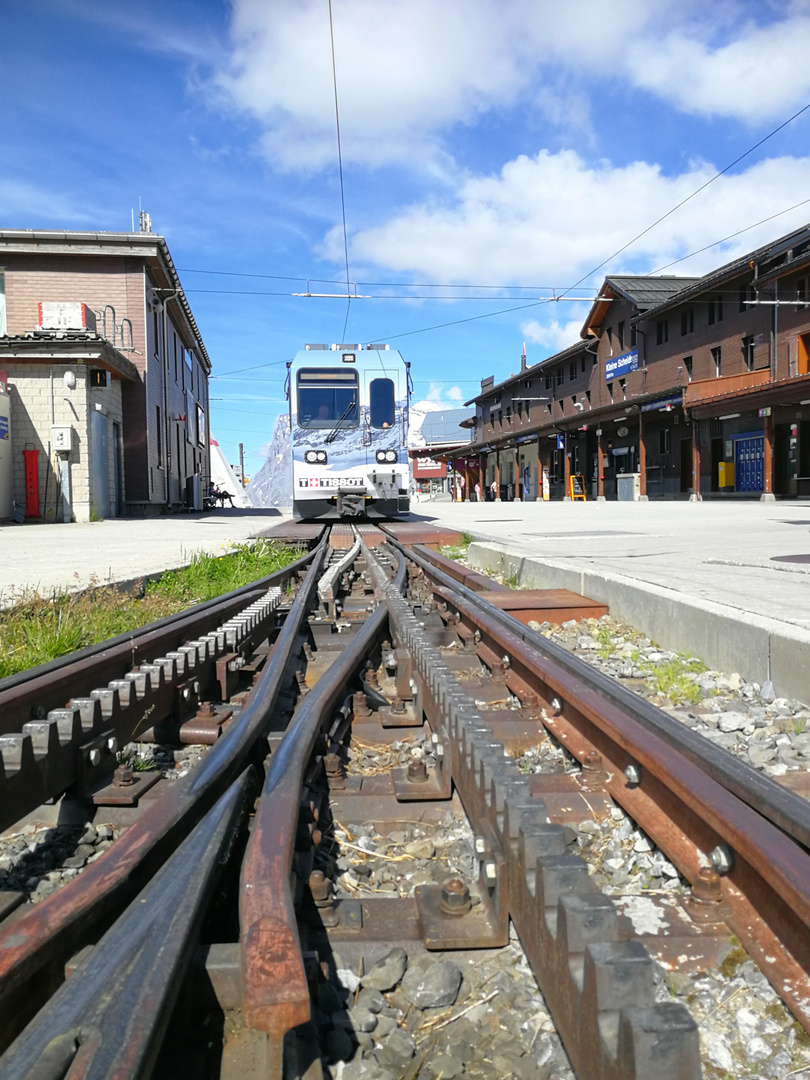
x,y
41,628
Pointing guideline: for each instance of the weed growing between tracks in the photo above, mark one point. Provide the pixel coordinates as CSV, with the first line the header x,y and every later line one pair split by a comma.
x,y
41,628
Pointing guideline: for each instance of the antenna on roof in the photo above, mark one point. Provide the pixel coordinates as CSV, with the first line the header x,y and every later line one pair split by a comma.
x,y
144,222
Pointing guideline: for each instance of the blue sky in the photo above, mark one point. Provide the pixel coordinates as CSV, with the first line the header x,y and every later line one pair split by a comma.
x,y
493,150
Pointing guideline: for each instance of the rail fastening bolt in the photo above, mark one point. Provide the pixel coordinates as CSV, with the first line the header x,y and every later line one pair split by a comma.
x,y
334,767
706,888
123,776
94,757
112,744
722,859
321,888
480,845
456,898
490,870
633,774
417,771
556,706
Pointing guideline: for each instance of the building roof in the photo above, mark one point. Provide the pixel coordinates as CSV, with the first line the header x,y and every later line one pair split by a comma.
x,y
793,246
642,291
527,373
647,292
148,246
442,426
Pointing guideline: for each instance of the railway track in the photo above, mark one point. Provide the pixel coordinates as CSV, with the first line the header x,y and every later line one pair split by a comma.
x,y
215,934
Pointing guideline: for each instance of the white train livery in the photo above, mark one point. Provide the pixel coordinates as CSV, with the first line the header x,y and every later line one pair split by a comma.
x,y
349,432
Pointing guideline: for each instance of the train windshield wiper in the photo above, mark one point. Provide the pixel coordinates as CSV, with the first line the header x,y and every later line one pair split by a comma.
x,y
336,428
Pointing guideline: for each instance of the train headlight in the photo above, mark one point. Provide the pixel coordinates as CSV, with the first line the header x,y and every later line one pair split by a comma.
x,y
321,456
315,456
386,456
390,455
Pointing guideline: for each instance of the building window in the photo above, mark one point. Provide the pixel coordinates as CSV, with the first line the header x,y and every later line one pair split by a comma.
x,y
633,336
620,334
98,378
560,375
549,380
748,352
610,390
572,371
663,441
174,347
500,417
715,311
687,363
623,385
588,396
746,297
159,436
609,336
662,332
156,332
801,294
717,361
582,365
687,322
3,329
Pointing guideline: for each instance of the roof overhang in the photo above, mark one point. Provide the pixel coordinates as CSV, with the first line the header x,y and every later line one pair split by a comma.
x,y
95,351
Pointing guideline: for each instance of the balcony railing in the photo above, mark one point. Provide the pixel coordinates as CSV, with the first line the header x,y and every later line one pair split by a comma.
x,y
695,393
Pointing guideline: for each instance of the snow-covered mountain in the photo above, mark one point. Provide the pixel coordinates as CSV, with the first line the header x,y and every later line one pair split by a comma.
x,y
272,484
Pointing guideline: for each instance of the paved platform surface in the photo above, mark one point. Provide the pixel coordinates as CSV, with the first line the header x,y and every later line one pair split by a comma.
x,y
730,553
47,557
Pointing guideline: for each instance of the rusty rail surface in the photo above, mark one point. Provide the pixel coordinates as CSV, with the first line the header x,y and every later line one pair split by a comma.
x,y
275,991
691,797
35,947
598,988
181,659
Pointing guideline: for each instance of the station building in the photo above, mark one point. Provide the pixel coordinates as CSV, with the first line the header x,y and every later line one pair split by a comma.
x,y
104,384
439,467
679,387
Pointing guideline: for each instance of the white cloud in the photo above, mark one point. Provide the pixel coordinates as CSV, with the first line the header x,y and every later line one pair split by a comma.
x,y
455,393
554,335
762,73
408,73
552,218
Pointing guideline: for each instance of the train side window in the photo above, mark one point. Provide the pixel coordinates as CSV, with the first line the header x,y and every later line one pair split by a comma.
x,y
381,403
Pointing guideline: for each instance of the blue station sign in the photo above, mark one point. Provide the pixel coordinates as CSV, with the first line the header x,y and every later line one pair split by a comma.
x,y
620,365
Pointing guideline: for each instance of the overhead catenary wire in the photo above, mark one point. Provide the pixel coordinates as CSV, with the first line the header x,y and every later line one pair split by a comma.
x,y
688,198
340,170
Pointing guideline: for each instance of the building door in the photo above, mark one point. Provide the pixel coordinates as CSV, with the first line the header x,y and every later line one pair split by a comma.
x,y
749,461
717,457
101,465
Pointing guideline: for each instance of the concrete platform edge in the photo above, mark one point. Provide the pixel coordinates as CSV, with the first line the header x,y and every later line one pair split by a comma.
x,y
724,638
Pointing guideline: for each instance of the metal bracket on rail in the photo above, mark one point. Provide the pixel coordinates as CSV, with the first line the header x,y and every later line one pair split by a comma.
x,y
453,916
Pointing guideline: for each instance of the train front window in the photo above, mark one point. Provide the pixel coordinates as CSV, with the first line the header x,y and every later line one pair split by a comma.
x,y
327,398
381,403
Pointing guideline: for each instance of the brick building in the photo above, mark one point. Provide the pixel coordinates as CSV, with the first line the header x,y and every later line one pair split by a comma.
x,y
107,376
678,387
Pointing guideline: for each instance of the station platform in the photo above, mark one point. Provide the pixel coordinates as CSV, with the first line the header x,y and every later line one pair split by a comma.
x,y
726,581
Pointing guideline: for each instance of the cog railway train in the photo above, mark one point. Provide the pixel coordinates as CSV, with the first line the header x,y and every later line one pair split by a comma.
x,y
349,432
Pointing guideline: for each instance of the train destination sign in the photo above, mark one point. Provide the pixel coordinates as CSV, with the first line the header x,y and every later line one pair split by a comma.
x,y
620,365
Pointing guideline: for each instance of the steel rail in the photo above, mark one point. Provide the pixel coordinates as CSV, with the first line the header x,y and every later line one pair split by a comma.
x,y
783,807
686,808
36,945
108,1020
34,692
598,986
274,985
